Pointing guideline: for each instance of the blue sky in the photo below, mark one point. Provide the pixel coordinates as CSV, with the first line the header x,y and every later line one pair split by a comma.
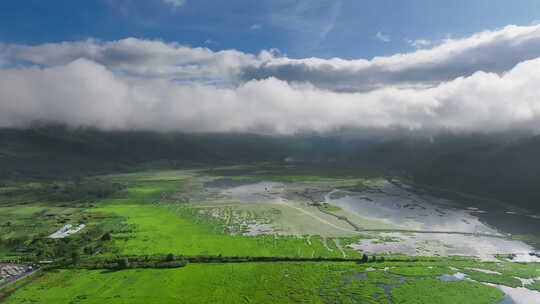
x,y
280,66
345,29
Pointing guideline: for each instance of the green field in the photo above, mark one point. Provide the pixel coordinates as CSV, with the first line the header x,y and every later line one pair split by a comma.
x,y
435,291
250,283
534,286
148,215
181,230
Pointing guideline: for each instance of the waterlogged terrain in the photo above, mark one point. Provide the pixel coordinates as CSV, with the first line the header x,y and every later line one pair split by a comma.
x,y
269,234
433,226
396,219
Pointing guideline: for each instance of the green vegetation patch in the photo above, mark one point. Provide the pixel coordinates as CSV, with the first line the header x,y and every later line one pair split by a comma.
x,y
301,172
183,230
512,269
429,271
156,226
330,208
534,286
139,218
206,283
499,279
431,290
278,282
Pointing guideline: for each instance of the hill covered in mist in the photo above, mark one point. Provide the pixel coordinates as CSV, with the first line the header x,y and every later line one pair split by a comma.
x,y
501,167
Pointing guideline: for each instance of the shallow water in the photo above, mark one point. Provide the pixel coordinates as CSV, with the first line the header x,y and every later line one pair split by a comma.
x,y
482,270
453,277
257,229
408,210
360,275
431,244
525,257
257,192
371,246
519,295
226,183
400,207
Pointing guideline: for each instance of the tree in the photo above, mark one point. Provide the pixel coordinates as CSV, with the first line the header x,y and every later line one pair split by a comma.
x,y
75,257
364,258
170,257
88,250
106,237
123,263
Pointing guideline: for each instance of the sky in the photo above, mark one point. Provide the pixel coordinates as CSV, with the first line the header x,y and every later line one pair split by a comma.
x,y
335,28
280,66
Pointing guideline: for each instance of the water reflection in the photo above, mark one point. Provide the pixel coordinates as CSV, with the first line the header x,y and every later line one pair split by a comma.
x,y
257,192
519,295
399,207
430,244
360,275
453,277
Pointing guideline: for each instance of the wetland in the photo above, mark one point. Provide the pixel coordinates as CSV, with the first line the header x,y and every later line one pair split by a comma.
x,y
316,229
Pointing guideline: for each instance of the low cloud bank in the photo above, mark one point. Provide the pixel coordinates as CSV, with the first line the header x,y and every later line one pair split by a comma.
x,y
487,82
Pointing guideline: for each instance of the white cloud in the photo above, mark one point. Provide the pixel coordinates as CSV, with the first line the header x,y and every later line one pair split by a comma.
x,y
419,43
383,37
135,57
88,94
175,3
489,51
141,84
210,41
255,27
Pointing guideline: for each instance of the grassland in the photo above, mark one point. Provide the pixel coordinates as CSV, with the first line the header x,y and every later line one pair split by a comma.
x,y
534,286
143,218
299,172
293,218
21,224
251,283
155,227
181,230
434,291
493,278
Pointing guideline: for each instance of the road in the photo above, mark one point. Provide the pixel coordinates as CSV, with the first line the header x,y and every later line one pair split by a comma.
x,y
18,279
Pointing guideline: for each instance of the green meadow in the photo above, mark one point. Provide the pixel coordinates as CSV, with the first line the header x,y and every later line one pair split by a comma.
x,y
534,286
435,291
182,230
143,216
251,283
